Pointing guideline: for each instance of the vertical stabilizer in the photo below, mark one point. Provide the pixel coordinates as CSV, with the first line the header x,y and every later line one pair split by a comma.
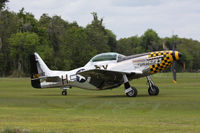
x,y
37,69
43,70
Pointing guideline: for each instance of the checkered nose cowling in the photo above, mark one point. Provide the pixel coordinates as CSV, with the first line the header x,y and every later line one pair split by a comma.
x,y
163,60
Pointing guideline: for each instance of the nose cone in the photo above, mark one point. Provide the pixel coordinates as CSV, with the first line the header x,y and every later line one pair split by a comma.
x,y
178,55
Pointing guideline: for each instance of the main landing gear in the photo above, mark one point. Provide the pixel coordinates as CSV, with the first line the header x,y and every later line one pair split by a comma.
x,y
153,89
130,91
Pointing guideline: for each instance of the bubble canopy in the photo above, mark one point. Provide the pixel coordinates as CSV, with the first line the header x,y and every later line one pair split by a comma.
x,y
111,56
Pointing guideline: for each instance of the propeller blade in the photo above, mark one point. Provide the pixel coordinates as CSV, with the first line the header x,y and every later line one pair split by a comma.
x,y
174,63
174,71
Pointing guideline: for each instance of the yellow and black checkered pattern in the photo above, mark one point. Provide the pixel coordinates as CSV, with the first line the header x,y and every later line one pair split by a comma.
x,y
167,59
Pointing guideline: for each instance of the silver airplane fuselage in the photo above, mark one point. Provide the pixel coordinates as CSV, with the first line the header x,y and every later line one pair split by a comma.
x,y
104,71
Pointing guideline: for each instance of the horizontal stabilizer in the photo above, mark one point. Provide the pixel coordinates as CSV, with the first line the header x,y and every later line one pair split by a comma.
x,y
48,78
45,82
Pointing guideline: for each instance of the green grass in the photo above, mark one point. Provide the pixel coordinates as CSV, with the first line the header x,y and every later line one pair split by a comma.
x,y
175,109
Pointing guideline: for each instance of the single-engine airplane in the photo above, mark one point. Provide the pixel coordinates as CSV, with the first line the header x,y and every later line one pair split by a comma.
x,y
104,71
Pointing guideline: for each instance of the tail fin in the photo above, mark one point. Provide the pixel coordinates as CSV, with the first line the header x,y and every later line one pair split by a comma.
x,y
38,69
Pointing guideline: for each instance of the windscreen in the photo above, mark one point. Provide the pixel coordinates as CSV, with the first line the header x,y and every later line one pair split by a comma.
x,y
105,57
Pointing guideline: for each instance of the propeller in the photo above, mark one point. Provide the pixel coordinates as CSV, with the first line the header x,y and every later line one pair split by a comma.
x,y
174,64
175,57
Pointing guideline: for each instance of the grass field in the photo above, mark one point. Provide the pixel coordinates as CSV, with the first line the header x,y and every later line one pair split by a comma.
x,y
175,109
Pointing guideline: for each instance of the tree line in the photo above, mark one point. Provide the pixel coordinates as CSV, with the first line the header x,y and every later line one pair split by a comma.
x,y
65,45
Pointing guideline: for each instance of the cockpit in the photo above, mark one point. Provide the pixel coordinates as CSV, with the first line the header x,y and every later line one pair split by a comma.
x,y
111,56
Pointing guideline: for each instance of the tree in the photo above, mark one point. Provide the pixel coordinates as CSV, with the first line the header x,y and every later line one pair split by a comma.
x,y
112,41
129,46
22,45
56,28
191,52
64,45
8,26
151,41
3,3
97,35
76,50
27,22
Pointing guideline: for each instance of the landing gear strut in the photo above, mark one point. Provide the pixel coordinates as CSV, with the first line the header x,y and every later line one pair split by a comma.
x,y
153,89
130,91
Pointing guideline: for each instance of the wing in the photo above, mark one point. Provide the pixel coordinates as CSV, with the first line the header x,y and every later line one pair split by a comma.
x,y
106,79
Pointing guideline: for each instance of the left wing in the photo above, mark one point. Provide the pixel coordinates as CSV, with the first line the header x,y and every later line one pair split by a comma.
x,y
106,79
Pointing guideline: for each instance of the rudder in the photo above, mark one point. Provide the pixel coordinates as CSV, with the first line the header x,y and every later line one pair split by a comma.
x,y
34,72
37,69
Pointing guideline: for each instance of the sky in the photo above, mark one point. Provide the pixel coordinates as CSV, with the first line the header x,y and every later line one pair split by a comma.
x,y
125,18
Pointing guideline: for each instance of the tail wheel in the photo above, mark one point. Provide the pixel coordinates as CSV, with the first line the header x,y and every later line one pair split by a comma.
x,y
64,92
153,90
132,93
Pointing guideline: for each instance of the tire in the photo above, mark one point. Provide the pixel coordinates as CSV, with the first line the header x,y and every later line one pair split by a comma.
x,y
154,91
64,93
132,93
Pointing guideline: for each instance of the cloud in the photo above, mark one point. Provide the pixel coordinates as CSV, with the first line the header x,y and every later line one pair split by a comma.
x,y
124,17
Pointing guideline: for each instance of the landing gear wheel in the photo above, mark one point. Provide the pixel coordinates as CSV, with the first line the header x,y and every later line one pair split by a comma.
x,y
153,91
64,92
132,93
